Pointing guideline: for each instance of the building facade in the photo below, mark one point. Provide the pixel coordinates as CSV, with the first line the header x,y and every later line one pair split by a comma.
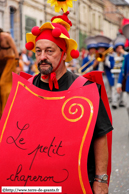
x,y
89,17
122,7
112,19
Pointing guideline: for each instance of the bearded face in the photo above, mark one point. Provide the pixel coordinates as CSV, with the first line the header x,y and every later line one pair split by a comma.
x,y
42,67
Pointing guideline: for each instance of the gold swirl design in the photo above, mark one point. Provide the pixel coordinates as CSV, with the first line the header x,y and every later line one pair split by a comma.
x,y
85,132
82,110
43,97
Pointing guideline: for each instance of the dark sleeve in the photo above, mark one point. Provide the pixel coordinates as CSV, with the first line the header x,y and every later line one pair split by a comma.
x,y
102,127
103,124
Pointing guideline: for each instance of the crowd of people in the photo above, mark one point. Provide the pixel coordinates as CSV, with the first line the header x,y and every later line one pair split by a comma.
x,y
111,57
26,63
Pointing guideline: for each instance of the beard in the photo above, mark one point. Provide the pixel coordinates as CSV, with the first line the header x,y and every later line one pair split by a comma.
x,y
45,71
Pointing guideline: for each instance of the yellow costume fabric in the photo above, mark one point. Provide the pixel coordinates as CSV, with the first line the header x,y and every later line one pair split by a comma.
x,y
6,79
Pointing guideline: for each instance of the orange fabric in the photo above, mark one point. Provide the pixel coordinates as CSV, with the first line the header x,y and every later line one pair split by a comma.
x,y
6,81
21,64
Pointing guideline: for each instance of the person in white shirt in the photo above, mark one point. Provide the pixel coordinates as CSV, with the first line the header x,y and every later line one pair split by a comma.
x,y
26,61
117,98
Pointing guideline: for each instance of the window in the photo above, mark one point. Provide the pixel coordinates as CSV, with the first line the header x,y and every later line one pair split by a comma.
x,y
1,19
99,24
41,22
30,23
93,21
12,12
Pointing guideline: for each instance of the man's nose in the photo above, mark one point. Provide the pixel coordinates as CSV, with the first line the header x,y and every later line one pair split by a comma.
x,y
43,55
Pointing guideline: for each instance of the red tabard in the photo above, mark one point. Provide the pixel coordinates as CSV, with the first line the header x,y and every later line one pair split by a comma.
x,y
45,136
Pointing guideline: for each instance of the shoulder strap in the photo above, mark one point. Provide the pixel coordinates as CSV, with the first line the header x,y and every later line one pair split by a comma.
x,y
25,75
79,81
31,80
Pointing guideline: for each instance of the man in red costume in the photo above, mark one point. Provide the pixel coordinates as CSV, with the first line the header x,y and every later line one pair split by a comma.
x,y
53,47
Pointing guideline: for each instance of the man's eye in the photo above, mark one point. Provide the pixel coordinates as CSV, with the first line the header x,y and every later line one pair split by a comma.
x,y
49,51
38,51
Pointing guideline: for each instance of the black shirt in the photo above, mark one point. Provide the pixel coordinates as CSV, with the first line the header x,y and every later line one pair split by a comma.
x,y
103,124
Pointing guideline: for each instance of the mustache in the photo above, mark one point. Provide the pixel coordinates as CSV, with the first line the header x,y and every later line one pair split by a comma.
x,y
44,61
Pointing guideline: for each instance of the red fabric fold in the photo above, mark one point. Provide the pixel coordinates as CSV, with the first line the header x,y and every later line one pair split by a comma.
x,y
52,80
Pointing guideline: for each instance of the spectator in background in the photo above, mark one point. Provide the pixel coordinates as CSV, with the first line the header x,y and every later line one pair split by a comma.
x,y
21,63
124,74
34,69
119,54
26,61
72,65
106,63
90,58
83,53
29,56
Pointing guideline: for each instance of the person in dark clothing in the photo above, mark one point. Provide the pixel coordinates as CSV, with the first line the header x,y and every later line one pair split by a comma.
x,y
29,56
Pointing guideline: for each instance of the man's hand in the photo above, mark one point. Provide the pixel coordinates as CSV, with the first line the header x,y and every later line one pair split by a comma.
x,y
95,64
101,162
100,188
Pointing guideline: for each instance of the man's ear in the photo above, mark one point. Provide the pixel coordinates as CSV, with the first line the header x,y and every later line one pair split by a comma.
x,y
64,57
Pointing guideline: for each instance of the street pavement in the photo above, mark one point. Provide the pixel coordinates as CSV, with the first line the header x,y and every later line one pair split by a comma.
x,y
119,182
